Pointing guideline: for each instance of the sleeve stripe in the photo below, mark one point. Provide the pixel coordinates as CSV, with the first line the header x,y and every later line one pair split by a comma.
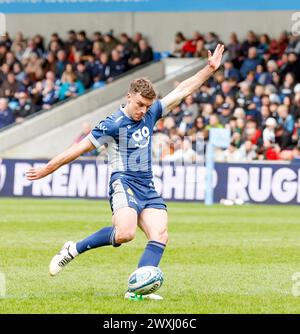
x,y
93,140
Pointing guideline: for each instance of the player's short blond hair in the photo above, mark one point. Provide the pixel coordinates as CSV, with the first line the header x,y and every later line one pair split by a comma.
x,y
144,87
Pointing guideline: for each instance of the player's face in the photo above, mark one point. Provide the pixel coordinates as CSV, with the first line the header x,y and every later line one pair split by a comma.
x,y
137,106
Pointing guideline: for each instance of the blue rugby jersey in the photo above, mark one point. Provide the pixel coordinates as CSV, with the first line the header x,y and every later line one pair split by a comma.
x,y
129,142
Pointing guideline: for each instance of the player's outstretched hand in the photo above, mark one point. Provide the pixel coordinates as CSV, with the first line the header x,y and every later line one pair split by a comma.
x,y
214,60
35,173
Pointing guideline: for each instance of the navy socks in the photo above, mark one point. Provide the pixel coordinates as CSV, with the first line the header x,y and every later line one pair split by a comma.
x,y
152,254
104,237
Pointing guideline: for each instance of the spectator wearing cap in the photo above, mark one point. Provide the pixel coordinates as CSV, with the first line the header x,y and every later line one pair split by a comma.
x,y
250,63
6,115
225,114
269,131
186,123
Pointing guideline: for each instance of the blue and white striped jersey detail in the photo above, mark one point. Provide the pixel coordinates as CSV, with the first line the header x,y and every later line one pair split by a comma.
x,y
129,141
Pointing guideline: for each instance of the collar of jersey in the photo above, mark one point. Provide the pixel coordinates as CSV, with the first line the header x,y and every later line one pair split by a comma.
x,y
122,109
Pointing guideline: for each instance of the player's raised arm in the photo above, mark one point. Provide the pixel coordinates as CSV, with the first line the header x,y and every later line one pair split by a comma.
x,y
63,158
190,85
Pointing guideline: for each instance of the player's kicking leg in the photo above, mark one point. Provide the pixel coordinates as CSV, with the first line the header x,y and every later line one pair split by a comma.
x,y
123,230
154,223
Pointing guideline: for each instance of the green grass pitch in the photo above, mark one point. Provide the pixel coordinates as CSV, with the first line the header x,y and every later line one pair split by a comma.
x,y
219,259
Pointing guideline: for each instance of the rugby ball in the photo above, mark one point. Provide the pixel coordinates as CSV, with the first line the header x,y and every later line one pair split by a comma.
x,y
145,280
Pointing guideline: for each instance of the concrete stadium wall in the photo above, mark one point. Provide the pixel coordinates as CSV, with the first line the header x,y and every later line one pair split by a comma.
x,y
160,31
53,142
73,109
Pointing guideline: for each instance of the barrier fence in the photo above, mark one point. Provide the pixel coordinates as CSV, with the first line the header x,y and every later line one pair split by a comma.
x,y
253,183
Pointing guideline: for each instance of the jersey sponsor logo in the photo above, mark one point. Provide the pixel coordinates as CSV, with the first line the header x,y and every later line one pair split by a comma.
x,y
102,127
2,175
141,137
130,192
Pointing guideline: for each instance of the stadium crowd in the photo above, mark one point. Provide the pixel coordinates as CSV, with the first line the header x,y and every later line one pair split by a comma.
x,y
256,95
34,76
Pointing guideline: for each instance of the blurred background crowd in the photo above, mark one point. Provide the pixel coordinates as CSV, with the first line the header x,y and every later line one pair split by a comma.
x,y
256,93
34,75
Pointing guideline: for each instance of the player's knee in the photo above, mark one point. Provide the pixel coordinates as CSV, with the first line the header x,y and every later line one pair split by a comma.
x,y
124,236
162,236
